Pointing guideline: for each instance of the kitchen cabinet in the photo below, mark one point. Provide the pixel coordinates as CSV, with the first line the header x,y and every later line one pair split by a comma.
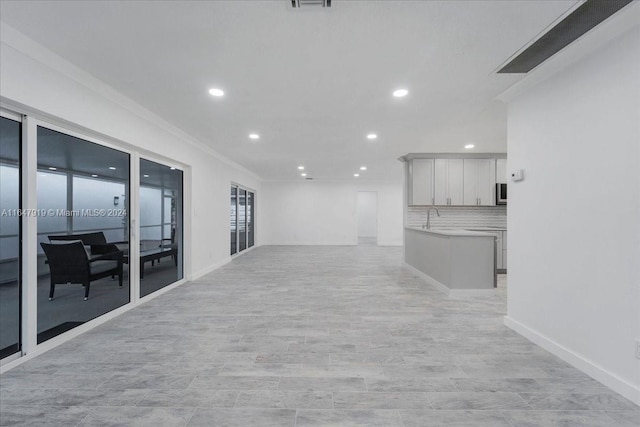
x,y
421,182
448,181
504,250
499,247
499,250
479,182
465,181
501,171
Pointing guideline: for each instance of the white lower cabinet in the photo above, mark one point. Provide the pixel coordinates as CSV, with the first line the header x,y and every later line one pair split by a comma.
x,y
501,247
498,235
499,263
504,250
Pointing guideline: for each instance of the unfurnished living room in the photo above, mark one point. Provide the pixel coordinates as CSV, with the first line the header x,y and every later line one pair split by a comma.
x,y
320,213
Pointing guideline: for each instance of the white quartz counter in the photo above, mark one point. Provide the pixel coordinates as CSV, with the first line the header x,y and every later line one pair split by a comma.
x,y
455,260
453,232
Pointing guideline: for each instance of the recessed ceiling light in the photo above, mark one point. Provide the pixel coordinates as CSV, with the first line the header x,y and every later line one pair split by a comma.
x,y
216,92
301,168
254,136
399,93
53,169
303,174
94,176
112,168
356,175
469,146
146,176
363,168
372,136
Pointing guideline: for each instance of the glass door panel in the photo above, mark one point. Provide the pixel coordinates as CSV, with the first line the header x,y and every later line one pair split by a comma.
x,y
161,226
10,282
234,220
83,231
251,201
242,219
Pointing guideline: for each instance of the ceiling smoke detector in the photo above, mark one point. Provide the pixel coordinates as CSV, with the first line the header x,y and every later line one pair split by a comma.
x,y
300,3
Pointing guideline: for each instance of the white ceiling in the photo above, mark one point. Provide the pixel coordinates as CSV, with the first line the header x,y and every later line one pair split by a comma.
x,y
312,82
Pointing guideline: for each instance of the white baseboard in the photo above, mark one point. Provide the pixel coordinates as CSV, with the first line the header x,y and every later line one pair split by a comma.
x,y
209,269
311,244
600,374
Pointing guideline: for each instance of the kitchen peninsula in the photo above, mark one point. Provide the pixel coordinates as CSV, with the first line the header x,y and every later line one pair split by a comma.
x,y
456,261
455,225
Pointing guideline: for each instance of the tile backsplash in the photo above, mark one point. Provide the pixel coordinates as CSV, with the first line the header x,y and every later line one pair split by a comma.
x,y
458,217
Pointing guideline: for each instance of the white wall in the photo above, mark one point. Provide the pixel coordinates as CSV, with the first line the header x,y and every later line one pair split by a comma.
x,y
39,80
325,213
574,222
367,214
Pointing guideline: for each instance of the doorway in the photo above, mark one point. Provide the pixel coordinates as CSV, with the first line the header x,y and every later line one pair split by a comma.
x,y
367,217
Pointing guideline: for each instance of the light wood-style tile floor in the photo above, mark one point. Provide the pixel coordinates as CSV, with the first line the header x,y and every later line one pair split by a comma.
x,y
308,336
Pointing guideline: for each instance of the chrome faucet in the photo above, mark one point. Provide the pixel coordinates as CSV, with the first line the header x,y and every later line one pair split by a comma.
x,y
428,224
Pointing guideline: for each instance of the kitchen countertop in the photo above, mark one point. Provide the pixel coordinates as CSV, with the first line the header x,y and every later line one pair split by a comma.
x,y
455,232
487,228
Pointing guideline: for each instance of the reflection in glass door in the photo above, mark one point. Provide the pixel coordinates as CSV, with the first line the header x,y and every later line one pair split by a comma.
x,y
234,220
9,237
161,245
83,231
251,201
242,219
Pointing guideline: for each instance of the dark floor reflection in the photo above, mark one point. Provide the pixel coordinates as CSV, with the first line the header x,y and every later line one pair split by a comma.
x,y
68,309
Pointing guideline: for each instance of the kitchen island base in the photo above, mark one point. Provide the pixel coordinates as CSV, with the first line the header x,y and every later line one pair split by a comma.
x,y
459,262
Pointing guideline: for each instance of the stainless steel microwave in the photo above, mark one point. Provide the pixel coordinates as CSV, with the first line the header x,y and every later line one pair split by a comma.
x,y
501,194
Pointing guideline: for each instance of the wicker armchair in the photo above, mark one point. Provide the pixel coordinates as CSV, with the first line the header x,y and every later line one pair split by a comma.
x,y
69,263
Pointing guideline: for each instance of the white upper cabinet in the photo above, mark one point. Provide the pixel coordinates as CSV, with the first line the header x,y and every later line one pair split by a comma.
x,y
454,182
479,182
421,182
449,181
501,171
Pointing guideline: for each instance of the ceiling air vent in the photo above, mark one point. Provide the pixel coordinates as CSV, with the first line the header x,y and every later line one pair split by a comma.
x,y
585,17
305,3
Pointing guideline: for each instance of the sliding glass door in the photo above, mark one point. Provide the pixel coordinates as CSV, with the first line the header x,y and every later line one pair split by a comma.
x,y
10,247
161,226
77,230
83,231
234,220
242,219
251,201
